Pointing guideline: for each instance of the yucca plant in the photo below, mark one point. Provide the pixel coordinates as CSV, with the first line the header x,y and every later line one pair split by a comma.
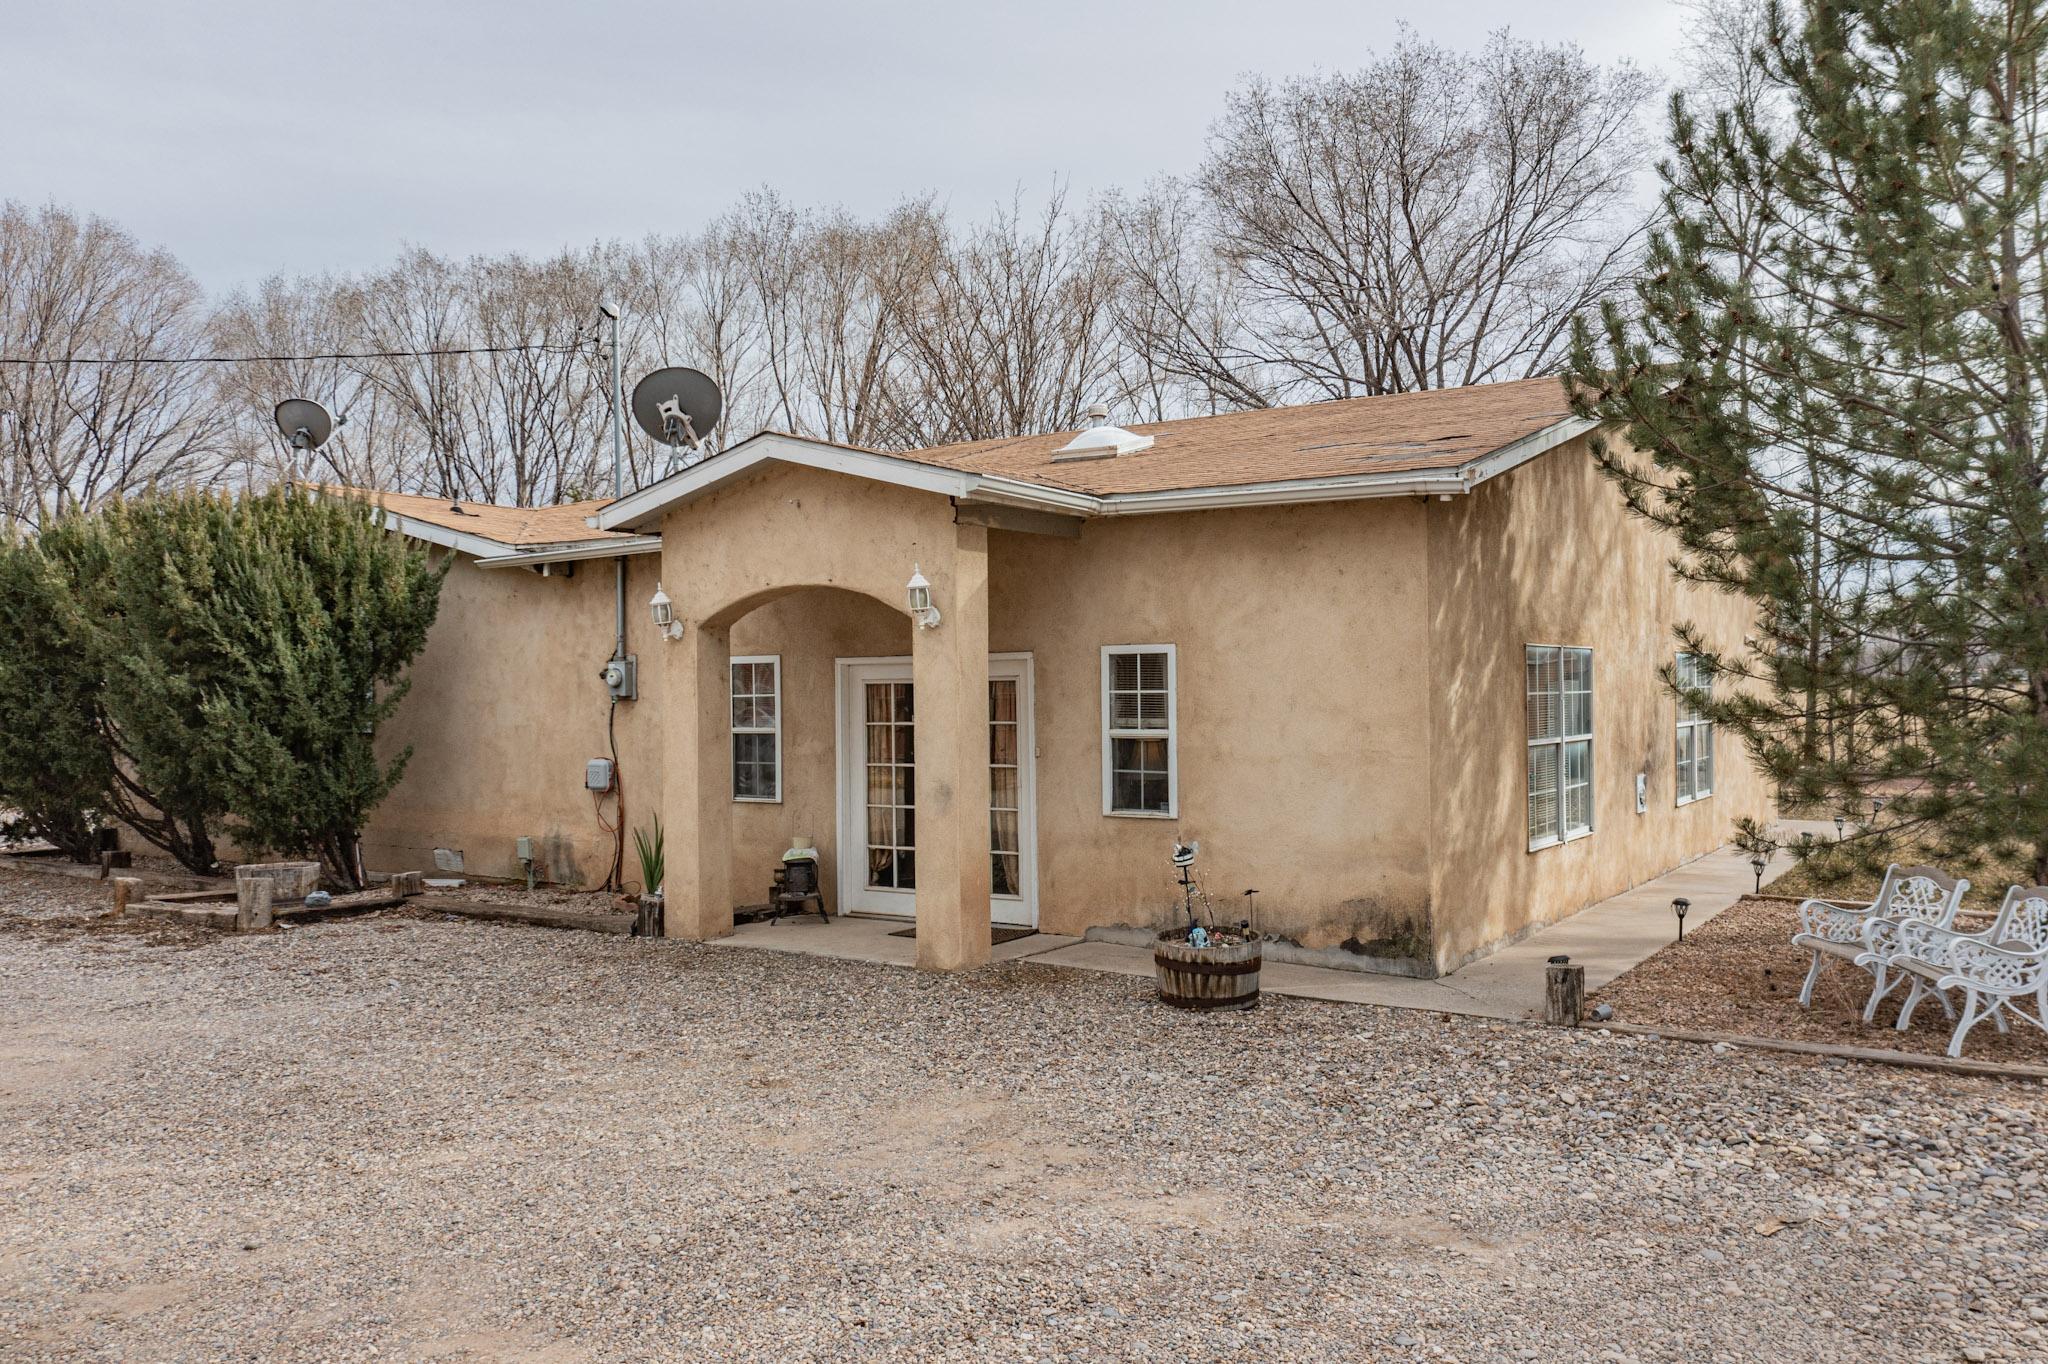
x,y
652,863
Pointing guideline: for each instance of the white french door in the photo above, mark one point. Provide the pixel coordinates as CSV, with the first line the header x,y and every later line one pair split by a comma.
x,y
878,826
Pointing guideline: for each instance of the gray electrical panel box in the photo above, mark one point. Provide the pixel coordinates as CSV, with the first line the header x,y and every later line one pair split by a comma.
x,y
622,677
597,774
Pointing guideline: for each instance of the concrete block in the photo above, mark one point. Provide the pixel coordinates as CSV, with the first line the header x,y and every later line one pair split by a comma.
x,y
291,880
408,882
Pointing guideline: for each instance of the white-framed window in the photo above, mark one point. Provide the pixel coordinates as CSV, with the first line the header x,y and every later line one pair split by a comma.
x,y
1558,688
1695,732
757,727
1140,762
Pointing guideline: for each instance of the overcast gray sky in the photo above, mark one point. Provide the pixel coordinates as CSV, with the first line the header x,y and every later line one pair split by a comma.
x,y
257,137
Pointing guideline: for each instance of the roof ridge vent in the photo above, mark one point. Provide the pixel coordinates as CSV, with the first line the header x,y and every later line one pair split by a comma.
x,y
1101,440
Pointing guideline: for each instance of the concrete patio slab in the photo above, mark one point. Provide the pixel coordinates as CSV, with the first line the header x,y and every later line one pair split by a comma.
x,y
1607,939
861,938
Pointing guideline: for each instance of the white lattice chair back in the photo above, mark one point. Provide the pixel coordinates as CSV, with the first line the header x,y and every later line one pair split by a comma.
x,y
2022,920
1924,893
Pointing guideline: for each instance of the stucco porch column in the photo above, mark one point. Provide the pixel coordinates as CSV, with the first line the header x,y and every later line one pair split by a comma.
x,y
697,785
949,669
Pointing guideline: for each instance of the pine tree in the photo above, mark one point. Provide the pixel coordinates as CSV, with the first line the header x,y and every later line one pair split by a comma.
x,y
1835,370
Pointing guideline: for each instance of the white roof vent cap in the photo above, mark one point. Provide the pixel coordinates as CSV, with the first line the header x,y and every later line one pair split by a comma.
x,y
1101,440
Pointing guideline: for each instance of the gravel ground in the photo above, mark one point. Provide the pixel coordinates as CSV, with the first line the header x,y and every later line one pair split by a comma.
x,y
422,1139
1740,973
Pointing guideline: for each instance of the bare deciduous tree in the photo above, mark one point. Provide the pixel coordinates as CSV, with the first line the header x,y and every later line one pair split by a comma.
x,y
1434,219
72,433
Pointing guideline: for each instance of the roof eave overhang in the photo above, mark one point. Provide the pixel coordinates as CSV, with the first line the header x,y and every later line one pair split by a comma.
x,y
1352,487
642,510
458,540
530,556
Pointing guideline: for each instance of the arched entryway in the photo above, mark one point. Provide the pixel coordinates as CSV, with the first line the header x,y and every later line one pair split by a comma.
x,y
768,554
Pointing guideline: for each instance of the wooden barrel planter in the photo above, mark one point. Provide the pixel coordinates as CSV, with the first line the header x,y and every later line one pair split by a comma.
x,y
1205,977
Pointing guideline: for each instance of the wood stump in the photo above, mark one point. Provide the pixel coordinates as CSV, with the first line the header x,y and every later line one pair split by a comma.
x,y
255,898
1564,994
127,890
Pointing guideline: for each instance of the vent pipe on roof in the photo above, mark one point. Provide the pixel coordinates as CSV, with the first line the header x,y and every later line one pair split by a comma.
x,y
1101,440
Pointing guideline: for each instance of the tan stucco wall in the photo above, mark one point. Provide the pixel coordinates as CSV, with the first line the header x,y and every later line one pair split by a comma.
x,y
1547,554
1302,743
506,706
1351,736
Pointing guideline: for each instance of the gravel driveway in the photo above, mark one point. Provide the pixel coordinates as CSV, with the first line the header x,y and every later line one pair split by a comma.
x,y
424,1139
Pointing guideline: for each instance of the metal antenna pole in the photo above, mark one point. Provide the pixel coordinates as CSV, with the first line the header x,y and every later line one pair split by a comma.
x,y
611,311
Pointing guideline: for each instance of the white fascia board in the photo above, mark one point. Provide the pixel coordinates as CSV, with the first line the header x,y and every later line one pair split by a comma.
x,y
1517,453
572,552
640,510
459,540
1349,488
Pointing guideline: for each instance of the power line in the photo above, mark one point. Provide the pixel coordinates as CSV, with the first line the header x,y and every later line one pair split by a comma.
x,y
544,346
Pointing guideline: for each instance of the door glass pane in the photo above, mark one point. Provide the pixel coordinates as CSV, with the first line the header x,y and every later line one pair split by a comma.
x,y
892,820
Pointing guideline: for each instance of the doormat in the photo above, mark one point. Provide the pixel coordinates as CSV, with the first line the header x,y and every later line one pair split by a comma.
x,y
997,936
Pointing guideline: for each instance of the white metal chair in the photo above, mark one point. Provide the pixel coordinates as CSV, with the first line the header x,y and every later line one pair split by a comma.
x,y
1836,929
1994,969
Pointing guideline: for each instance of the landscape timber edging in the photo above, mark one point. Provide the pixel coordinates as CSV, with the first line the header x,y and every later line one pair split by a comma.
x,y
1918,1060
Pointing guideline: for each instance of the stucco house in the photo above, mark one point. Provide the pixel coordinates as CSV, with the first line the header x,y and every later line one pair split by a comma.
x,y
1393,661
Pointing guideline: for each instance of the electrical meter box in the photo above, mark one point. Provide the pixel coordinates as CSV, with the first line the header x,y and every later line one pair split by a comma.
x,y
597,774
622,677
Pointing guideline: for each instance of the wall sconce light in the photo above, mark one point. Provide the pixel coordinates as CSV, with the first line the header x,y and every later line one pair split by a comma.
x,y
664,613
1678,907
921,609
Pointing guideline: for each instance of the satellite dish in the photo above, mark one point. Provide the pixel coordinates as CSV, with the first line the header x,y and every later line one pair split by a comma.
x,y
677,406
303,423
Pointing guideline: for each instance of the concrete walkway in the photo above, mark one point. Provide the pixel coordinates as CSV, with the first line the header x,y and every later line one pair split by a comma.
x,y
1607,939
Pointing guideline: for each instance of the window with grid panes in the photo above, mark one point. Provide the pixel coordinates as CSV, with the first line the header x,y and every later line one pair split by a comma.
x,y
1695,732
757,728
1558,691
1138,730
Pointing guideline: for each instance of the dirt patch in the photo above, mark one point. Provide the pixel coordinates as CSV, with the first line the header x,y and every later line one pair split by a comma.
x,y
1741,974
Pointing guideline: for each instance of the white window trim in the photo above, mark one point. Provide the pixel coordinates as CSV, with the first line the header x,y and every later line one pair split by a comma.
x,y
732,729
1172,733
1698,727
1559,742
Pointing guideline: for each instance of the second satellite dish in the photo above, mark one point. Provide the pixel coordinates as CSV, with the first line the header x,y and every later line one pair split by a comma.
x,y
677,406
303,423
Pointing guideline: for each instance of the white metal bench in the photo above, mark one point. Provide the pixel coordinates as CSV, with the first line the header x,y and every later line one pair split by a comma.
x,y
1994,969
1834,929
